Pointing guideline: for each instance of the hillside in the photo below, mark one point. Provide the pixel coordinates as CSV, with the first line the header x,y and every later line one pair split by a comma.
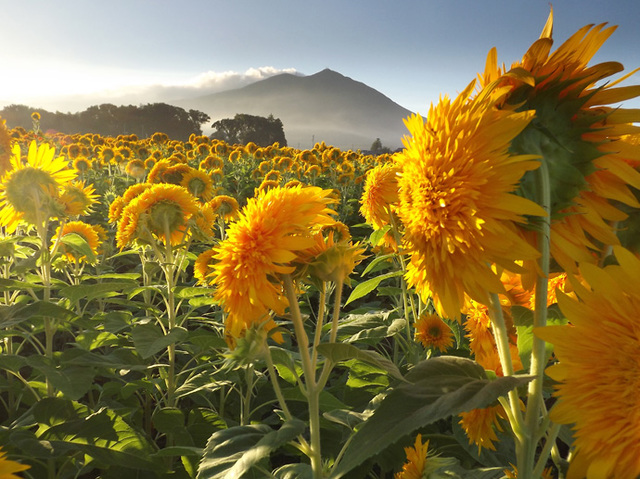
x,y
326,106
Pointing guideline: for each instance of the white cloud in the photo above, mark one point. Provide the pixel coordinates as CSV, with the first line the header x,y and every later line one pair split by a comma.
x,y
127,88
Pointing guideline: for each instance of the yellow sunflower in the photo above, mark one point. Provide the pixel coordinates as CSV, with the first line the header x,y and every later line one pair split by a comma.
x,y
420,464
77,199
29,190
598,369
433,332
86,232
82,164
202,268
457,202
199,184
380,195
226,207
261,244
161,211
8,467
579,134
480,425
136,168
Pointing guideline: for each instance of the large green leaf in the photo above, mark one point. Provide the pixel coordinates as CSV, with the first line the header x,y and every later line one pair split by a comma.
x,y
69,427
364,288
72,381
336,352
75,242
16,314
230,453
437,388
294,471
369,328
89,292
149,338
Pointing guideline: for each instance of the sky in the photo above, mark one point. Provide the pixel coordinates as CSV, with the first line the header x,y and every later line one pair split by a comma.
x,y
69,54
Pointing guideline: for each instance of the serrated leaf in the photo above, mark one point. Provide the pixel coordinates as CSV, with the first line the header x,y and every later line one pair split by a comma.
x,y
149,339
336,352
437,388
364,288
232,452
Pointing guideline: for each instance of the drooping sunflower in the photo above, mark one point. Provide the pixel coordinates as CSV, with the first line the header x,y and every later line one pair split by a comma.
x,y
199,184
202,268
598,369
457,203
29,190
480,425
580,135
433,332
8,467
161,211
226,207
380,195
420,464
259,246
86,232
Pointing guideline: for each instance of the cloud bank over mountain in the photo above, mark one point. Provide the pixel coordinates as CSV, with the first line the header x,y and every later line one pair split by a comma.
x,y
130,90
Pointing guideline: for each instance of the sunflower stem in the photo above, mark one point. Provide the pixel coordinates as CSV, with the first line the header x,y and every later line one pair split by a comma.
x,y
538,355
502,343
312,389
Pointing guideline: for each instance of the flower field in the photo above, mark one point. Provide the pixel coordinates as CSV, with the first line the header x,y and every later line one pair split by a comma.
x,y
464,308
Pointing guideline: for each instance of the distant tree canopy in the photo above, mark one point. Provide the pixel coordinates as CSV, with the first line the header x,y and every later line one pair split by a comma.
x,y
378,149
112,120
244,128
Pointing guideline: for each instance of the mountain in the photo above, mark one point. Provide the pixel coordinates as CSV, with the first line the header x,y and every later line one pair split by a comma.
x,y
326,106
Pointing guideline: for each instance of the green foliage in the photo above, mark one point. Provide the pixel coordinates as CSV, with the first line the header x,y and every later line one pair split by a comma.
x,y
244,128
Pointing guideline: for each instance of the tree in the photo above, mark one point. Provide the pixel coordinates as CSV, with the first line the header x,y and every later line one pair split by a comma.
x,y
244,128
378,149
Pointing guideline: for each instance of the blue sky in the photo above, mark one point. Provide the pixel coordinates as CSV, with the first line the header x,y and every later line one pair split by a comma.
x,y
411,51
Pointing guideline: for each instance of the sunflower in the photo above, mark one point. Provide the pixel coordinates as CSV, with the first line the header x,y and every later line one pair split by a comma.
x,y
202,267
5,147
161,210
226,207
598,369
380,195
136,168
433,332
199,184
480,425
81,164
8,467
420,464
579,135
77,199
262,244
86,231
29,190
457,202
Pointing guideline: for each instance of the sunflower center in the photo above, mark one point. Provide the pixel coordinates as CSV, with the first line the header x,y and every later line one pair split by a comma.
x,y
434,332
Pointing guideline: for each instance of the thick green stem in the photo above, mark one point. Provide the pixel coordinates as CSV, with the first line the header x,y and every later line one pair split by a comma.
x,y
502,343
535,404
311,390
168,269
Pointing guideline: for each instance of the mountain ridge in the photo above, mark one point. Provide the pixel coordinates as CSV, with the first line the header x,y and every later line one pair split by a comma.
x,y
325,106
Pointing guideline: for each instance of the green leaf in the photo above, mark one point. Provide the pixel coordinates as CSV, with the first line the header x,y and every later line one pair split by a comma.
x,y
364,288
387,258
72,381
294,471
437,388
168,420
90,292
185,292
16,314
376,236
336,352
232,452
284,364
368,328
149,339
69,427
78,244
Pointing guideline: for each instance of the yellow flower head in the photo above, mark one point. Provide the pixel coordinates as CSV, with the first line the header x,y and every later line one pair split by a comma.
x,y
457,202
81,164
580,135
77,199
420,464
480,425
8,467
226,207
263,243
202,267
161,211
433,332
380,195
199,184
29,190
598,369
86,232
136,168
